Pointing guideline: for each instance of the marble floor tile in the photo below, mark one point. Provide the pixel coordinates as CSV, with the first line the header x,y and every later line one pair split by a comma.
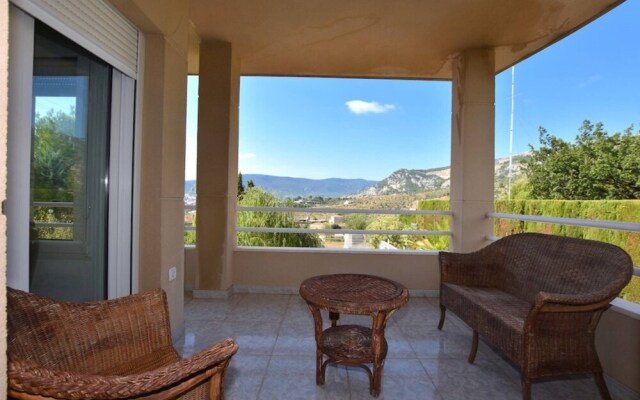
x,y
401,379
287,345
294,378
445,344
254,337
244,376
398,345
210,309
259,307
457,379
201,334
276,358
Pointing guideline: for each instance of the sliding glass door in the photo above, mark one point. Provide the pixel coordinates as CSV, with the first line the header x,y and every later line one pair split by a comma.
x,y
70,167
69,176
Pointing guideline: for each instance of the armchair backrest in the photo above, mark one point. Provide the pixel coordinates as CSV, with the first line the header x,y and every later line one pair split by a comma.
x,y
86,337
533,262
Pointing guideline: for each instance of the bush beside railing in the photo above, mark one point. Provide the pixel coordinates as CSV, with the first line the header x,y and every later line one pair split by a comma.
x,y
598,210
602,210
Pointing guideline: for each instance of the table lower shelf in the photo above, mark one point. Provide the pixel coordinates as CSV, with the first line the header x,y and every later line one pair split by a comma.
x,y
350,344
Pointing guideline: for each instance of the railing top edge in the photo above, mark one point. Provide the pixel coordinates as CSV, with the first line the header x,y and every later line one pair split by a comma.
x,y
345,231
616,225
346,210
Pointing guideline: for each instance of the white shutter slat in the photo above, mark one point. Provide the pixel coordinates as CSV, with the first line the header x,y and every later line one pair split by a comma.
x,y
94,25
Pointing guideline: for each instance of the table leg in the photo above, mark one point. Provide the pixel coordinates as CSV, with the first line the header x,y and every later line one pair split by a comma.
x,y
377,343
334,317
317,322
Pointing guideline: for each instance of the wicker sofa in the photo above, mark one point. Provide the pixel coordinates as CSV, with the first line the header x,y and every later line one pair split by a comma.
x,y
538,299
113,349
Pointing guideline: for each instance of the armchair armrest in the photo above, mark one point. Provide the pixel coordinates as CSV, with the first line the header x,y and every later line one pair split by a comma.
x,y
27,378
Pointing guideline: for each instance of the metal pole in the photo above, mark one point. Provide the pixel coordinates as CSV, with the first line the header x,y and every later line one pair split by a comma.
x,y
513,89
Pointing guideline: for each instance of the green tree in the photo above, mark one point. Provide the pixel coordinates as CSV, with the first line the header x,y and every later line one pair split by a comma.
x,y
357,221
241,190
190,236
255,197
597,166
54,158
54,171
388,222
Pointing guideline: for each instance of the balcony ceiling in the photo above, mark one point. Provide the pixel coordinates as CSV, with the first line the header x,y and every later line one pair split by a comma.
x,y
383,38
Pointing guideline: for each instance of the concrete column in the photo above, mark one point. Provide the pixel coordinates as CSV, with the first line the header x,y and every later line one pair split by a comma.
x,y
472,148
162,172
218,97
163,82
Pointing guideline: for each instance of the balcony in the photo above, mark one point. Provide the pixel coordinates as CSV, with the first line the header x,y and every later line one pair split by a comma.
x,y
277,355
223,41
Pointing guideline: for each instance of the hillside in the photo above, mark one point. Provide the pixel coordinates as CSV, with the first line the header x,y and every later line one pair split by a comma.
x,y
409,181
435,180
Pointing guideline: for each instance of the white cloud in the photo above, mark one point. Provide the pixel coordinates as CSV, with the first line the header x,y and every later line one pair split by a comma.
x,y
589,80
246,156
366,107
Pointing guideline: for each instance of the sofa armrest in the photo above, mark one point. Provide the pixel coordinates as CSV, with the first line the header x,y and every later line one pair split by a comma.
x,y
27,379
562,302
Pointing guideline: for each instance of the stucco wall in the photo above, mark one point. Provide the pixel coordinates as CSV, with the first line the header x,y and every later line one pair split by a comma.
x,y
618,344
261,268
290,268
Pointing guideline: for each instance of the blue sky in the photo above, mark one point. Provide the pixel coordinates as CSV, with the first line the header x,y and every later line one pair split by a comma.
x,y
362,128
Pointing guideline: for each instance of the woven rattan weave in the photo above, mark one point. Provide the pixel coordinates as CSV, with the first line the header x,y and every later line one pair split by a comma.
x,y
113,349
538,299
352,345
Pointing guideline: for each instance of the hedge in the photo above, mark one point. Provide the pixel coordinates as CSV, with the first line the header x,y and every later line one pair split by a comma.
x,y
606,210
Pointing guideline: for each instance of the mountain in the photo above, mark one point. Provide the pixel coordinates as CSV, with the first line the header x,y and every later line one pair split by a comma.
x,y
410,181
293,187
402,181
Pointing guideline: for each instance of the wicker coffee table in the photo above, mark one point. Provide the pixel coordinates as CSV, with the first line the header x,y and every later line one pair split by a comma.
x,y
352,345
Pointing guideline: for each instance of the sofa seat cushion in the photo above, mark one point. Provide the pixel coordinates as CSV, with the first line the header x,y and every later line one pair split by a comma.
x,y
498,316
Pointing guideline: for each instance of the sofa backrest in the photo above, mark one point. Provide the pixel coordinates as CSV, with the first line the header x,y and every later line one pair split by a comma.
x,y
533,262
86,337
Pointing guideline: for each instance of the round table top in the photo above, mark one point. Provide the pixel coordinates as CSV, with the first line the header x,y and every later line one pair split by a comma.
x,y
354,293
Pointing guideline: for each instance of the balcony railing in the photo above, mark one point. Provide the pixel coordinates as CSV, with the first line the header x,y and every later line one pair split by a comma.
x,y
339,211
53,204
344,211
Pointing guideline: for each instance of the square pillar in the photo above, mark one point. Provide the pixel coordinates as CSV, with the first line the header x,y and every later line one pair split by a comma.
x,y
472,148
163,133
217,169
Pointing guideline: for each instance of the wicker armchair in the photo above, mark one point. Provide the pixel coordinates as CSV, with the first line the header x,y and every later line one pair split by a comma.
x,y
112,349
538,299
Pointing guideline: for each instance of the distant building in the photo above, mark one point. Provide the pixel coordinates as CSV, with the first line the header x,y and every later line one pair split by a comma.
x,y
336,219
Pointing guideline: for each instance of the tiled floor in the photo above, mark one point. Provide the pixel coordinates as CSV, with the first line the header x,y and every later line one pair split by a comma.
x,y
276,359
